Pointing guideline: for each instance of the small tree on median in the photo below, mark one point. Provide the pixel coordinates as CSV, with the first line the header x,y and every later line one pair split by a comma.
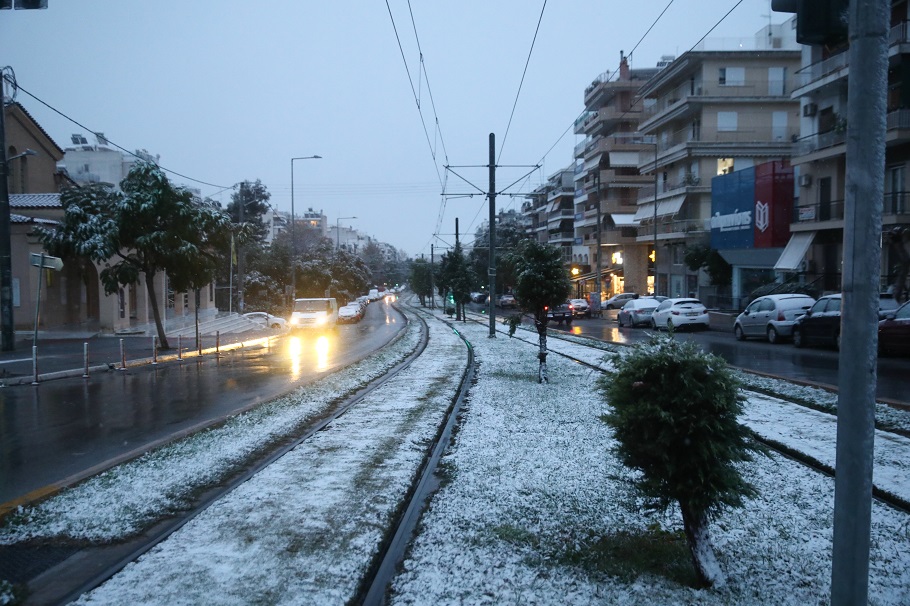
x,y
541,282
674,414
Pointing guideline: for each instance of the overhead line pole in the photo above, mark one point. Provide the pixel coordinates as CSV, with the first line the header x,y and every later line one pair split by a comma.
x,y
491,271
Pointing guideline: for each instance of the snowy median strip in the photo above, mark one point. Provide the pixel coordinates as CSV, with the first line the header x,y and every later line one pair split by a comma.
x,y
536,510
305,529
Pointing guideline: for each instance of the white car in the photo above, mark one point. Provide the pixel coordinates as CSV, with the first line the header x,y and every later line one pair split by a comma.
x,y
579,307
771,317
350,313
676,313
267,320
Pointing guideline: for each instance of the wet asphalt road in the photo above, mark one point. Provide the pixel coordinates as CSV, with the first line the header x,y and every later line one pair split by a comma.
x,y
67,428
815,365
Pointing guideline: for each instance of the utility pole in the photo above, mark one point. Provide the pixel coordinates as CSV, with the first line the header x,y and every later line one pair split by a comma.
x,y
241,202
596,302
491,272
432,286
7,334
866,127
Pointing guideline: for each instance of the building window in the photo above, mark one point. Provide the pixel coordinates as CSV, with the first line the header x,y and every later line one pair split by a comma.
x,y
726,121
731,76
724,166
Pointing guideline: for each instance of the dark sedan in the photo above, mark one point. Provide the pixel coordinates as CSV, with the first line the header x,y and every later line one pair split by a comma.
x,y
821,324
894,332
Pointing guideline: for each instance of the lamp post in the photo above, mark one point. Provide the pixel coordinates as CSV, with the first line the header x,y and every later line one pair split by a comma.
x,y
293,230
338,231
654,143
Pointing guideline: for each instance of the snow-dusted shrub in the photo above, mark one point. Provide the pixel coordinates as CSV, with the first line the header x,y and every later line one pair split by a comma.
x,y
674,411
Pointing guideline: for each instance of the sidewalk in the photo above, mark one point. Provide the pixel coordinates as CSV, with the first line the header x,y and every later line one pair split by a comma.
x,y
63,354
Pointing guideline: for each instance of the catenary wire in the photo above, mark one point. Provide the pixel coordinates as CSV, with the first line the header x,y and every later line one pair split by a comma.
x,y
521,83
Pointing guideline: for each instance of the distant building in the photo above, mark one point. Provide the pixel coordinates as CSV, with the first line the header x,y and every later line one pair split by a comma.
x,y
100,162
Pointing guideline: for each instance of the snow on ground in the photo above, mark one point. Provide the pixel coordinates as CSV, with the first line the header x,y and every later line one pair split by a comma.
x,y
305,529
533,508
534,494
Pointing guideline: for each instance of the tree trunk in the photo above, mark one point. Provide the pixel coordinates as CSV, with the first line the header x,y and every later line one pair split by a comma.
x,y
150,288
541,327
707,568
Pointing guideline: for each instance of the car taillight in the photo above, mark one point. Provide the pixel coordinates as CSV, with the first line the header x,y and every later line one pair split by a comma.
x,y
570,307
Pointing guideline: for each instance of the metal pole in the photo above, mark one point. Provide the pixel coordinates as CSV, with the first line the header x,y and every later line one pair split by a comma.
x,y
597,279
38,299
155,349
217,342
85,360
180,347
293,242
655,217
432,286
34,364
866,115
240,259
122,356
7,334
491,271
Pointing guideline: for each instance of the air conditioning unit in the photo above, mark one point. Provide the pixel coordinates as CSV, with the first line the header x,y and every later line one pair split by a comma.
x,y
810,109
805,180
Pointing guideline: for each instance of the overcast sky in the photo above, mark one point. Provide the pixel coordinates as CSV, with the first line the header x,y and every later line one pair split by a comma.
x,y
231,90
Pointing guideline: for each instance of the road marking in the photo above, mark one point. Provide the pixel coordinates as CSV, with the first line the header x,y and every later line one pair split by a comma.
x,y
14,361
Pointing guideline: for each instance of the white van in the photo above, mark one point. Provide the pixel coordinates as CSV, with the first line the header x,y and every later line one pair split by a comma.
x,y
314,313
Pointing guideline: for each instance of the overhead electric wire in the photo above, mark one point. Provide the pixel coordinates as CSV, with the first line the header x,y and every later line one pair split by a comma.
x,y
520,84
414,92
123,149
650,28
429,90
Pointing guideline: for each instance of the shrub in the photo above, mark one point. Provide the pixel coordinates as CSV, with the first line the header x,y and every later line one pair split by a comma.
x,y
674,413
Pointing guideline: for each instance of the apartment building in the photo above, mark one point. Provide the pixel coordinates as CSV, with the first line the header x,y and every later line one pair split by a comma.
x,y
549,213
816,248
607,181
721,107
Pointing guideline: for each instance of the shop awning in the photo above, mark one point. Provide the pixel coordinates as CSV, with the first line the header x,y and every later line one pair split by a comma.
x,y
795,251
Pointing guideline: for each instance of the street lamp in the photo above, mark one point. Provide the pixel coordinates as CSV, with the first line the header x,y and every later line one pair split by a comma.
x,y
293,231
338,231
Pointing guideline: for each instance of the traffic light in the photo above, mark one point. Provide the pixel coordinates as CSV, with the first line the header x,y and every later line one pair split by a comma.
x,y
818,22
22,4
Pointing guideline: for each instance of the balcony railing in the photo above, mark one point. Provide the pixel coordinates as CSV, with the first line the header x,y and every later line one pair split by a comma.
x,y
824,211
899,34
818,141
561,236
747,89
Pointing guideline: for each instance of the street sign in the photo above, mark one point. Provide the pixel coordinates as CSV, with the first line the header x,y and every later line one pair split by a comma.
x,y
46,261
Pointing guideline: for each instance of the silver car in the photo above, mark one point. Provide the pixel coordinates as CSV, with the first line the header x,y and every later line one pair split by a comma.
x,y
771,317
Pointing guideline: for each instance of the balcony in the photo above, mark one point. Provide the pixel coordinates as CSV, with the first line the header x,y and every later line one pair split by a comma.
x,y
894,204
561,237
837,67
560,191
753,89
679,228
561,214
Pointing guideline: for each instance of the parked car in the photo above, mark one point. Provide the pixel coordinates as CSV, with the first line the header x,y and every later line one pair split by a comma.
x,y
479,297
618,300
560,313
771,317
894,332
350,313
637,312
267,320
507,301
679,312
579,308
821,323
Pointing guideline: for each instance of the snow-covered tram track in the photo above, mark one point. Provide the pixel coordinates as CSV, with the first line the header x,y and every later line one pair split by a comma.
x,y
800,444
92,566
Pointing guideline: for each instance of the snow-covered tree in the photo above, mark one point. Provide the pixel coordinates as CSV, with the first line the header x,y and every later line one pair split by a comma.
x,y
541,282
420,280
148,227
456,276
674,411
